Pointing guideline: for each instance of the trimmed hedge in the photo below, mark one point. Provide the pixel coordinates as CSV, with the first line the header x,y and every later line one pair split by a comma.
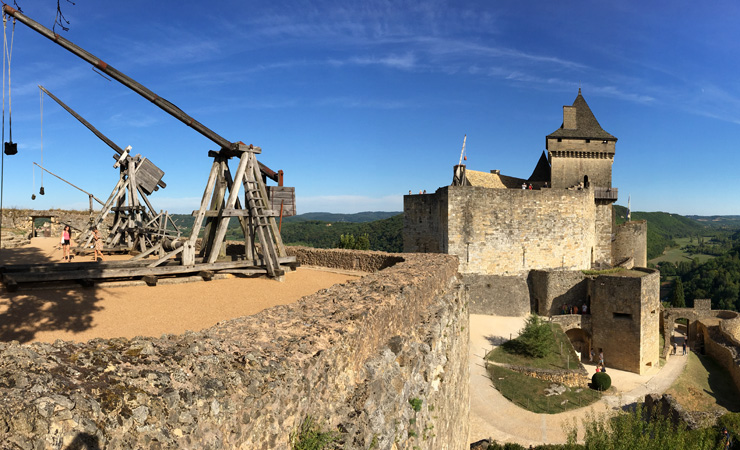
x,y
601,381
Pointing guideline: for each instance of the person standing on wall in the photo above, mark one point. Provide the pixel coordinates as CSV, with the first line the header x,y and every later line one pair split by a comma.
x,y
66,241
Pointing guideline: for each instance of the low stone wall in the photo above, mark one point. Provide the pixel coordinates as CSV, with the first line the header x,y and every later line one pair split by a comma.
x,y
498,295
570,378
665,405
722,350
342,259
383,360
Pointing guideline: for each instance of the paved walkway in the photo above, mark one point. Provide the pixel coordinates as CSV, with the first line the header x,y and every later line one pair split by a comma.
x,y
493,416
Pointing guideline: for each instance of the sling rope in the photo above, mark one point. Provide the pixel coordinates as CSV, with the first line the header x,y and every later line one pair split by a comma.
x,y
41,98
2,154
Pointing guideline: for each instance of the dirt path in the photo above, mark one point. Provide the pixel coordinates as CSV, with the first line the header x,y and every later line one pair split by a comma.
x,y
81,314
493,416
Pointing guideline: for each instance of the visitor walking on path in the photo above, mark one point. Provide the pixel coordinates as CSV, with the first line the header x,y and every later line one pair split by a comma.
x,y
684,346
601,357
674,347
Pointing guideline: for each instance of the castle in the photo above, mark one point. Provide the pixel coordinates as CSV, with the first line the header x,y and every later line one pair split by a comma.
x,y
523,243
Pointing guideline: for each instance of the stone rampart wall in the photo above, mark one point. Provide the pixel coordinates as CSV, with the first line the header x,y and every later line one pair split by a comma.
x,y
602,254
498,295
552,289
20,221
625,316
425,223
512,231
630,241
722,350
383,360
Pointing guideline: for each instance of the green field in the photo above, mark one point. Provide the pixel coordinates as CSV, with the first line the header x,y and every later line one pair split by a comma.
x,y
678,254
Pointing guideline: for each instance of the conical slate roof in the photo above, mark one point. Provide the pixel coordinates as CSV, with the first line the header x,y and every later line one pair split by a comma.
x,y
541,172
587,127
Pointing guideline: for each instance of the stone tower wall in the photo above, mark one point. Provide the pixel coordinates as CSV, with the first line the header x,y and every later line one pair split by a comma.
x,y
625,315
569,170
630,241
425,223
512,231
552,289
604,219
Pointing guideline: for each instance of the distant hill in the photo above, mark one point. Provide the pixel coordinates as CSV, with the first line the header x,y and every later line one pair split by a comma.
x,y
732,222
663,228
367,216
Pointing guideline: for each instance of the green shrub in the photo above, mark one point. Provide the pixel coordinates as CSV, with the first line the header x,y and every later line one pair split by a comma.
x,y
309,436
601,381
535,340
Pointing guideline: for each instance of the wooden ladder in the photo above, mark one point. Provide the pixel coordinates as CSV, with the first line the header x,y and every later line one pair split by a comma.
x,y
256,219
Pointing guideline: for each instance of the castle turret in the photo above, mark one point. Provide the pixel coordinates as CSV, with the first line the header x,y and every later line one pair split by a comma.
x,y
580,150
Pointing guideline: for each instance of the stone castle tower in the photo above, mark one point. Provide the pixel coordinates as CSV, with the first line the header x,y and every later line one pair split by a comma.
x,y
523,250
580,150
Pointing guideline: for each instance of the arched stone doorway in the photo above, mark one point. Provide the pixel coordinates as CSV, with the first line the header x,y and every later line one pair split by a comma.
x,y
581,341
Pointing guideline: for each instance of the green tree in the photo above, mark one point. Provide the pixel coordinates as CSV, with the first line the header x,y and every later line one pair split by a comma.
x,y
535,339
677,298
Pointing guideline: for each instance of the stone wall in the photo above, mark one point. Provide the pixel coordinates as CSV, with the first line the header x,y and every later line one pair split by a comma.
x,y
353,356
630,241
425,223
20,221
665,405
569,170
498,295
723,350
570,378
604,221
551,289
512,231
625,316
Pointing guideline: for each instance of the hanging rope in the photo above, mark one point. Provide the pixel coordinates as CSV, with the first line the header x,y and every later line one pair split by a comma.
x,y
41,98
2,155
10,147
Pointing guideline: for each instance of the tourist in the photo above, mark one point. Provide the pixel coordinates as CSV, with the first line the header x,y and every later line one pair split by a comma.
x,y
684,346
66,242
524,185
675,350
98,244
530,186
601,357
584,309
591,356
575,310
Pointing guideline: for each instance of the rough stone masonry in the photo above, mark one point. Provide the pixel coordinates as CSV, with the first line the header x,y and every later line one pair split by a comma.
x,y
382,360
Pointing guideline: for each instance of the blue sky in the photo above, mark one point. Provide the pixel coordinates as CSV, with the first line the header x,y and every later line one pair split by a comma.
x,y
360,102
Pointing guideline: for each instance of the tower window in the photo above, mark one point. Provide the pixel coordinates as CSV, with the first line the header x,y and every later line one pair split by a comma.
x,y
561,140
588,141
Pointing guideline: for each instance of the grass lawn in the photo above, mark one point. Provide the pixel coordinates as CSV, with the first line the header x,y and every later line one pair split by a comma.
x,y
529,393
705,386
676,255
560,355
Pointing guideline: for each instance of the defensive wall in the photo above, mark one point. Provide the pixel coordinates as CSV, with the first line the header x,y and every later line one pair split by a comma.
x,y
22,223
630,241
382,359
504,231
715,332
625,317
624,309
